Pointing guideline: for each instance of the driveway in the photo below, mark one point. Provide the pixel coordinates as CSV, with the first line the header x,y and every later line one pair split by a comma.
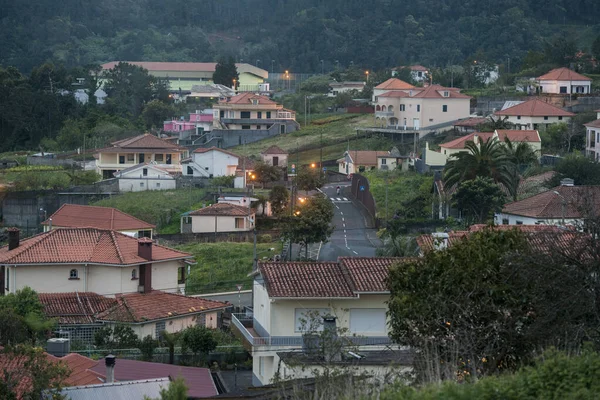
x,y
351,236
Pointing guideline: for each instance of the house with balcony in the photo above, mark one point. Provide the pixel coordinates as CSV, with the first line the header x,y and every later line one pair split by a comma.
x,y
592,138
420,108
391,85
137,150
247,118
187,131
78,216
148,176
294,301
564,81
534,114
89,260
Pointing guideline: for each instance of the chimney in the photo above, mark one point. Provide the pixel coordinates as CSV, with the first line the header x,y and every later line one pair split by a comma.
x,y
475,139
567,182
49,224
145,252
110,361
13,238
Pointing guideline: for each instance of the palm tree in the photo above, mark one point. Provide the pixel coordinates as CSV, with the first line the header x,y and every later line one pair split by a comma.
x,y
171,340
488,159
499,123
521,153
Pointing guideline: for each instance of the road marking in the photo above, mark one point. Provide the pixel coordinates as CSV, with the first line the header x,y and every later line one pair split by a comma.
x,y
342,219
341,213
345,199
354,252
344,231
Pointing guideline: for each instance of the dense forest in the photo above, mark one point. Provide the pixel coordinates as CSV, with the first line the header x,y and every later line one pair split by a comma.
x,y
295,34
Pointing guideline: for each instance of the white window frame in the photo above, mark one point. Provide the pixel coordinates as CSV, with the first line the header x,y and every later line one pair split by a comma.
x,y
376,327
301,313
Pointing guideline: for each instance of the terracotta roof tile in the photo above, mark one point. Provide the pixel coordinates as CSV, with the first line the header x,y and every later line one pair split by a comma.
x,y
346,278
246,98
140,143
535,108
368,274
224,209
274,150
394,84
74,308
83,245
77,216
593,124
563,74
140,307
366,157
80,370
433,92
471,122
394,94
529,136
579,201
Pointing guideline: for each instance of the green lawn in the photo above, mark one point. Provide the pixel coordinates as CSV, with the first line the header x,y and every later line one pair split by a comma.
x,y
333,129
335,151
221,266
159,207
408,193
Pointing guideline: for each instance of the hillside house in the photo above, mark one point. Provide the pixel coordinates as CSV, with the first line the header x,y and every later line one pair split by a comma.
x,y
219,217
137,150
418,73
148,176
275,156
294,301
564,81
592,138
336,88
89,260
364,160
534,114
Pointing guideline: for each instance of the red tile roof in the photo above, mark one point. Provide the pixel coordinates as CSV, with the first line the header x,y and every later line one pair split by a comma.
x,y
198,380
394,84
593,124
368,274
346,278
366,157
535,108
80,370
77,216
418,68
394,94
74,308
433,92
156,305
83,245
274,150
224,209
563,74
140,143
471,122
529,136
246,98
580,200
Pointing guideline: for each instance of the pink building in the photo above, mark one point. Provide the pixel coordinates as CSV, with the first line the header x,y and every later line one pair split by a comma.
x,y
196,120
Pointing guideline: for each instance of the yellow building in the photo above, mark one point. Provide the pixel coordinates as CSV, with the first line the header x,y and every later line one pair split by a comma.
x,y
184,75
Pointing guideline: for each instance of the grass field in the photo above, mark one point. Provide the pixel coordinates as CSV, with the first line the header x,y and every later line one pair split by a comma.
x,y
159,207
222,266
335,129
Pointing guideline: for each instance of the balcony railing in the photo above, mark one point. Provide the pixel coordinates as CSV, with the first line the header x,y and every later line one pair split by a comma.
x,y
384,113
243,322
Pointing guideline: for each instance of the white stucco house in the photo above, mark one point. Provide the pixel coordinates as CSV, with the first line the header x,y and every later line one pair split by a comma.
x,y
210,162
564,81
563,205
592,138
336,88
148,176
355,161
275,156
84,313
89,260
534,114
219,217
294,301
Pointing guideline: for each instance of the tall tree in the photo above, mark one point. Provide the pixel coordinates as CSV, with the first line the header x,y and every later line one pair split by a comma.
x,y
311,223
478,199
226,72
487,159
279,197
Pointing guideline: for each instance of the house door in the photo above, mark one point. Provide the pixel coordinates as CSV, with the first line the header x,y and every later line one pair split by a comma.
x,y
275,161
142,157
416,124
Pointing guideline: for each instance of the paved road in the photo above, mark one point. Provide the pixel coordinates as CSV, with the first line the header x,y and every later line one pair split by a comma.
x,y
351,236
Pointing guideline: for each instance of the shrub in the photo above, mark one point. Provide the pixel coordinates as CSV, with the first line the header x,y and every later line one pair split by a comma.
x,y
264,238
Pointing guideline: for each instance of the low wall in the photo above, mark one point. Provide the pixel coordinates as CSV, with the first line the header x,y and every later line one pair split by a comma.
x,y
360,191
211,237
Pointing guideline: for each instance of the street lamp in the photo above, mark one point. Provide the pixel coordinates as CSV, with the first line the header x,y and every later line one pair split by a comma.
x,y
322,67
313,165
257,62
272,66
367,73
234,81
